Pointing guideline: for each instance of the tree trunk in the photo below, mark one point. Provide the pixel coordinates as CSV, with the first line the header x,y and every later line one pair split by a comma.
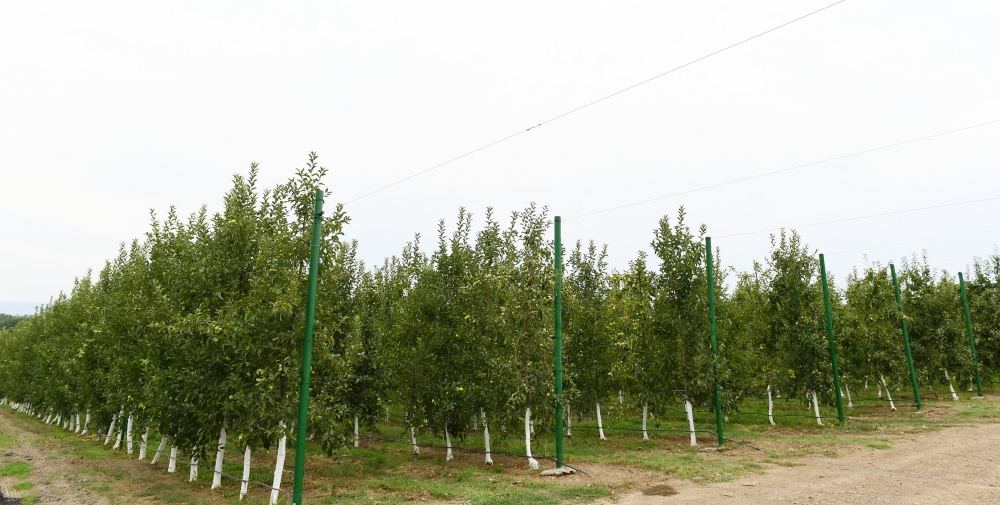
x,y
159,450
486,438
645,413
951,389
447,443
892,406
193,473
600,423
245,483
172,462
111,429
142,444
357,433
279,467
815,402
569,423
220,455
532,462
850,403
128,435
770,406
689,409
413,441
86,422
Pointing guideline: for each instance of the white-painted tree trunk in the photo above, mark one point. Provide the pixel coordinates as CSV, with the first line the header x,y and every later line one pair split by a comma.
x,y
279,467
142,444
850,403
447,444
645,414
193,471
413,441
892,406
220,455
486,438
72,422
172,462
689,409
621,398
951,389
878,384
118,440
770,406
111,429
815,402
357,433
159,450
569,423
86,422
128,435
245,482
532,462
600,423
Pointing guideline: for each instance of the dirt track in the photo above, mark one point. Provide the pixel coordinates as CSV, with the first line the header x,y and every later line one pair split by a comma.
x,y
955,466
56,478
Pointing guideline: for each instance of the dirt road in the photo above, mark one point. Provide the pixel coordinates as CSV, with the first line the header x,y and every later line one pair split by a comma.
x,y
958,465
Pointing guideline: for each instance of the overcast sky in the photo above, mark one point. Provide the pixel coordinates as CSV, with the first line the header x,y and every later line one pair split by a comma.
x,y
109,109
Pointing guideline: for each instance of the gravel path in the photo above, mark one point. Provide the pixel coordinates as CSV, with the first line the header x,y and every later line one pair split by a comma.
x,y
958,465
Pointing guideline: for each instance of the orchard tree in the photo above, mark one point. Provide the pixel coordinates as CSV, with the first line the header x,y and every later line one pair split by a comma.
x,y
588,351
680,316
870,330
640,369
795,318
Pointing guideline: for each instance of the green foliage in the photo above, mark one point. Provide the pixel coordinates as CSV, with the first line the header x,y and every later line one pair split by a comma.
x,y
680,312
870,337
9,321
795,317
589,354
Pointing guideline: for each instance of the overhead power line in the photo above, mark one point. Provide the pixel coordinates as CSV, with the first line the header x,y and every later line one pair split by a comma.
x,y
866,216
783,170
590,103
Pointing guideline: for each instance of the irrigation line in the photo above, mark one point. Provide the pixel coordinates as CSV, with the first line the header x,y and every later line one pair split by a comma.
x,y
780,415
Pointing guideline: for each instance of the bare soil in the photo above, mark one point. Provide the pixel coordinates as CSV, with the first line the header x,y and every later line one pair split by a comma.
x,y
959,465
55,477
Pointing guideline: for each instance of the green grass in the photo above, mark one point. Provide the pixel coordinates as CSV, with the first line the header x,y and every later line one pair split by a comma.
x,y
15,469
23,486
7,440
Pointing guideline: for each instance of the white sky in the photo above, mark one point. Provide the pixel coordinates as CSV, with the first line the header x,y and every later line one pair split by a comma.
x,y
108,109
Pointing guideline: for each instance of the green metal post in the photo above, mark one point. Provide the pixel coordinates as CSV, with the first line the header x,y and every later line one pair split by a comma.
x,y
832,340
906,337
713,333
969,334
307,345
557,345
